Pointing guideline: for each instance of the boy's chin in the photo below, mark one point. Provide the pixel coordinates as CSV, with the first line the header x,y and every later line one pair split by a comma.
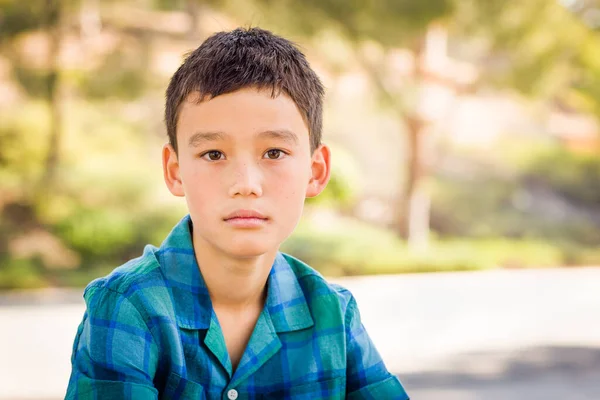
x,y
250,249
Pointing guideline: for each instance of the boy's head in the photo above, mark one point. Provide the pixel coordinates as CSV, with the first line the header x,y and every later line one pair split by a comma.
x,y
252,58
244,118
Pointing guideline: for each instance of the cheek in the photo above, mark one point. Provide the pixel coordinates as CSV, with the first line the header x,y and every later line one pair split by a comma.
x,y
289,186
200,182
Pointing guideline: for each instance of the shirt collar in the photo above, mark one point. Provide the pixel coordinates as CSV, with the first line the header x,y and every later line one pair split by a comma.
x,y
286,303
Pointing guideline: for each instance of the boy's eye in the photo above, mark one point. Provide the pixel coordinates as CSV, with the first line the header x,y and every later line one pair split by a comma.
x,y
274,154
213,155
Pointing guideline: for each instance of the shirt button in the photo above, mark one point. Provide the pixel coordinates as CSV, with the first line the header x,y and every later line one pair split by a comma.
x,y
232,394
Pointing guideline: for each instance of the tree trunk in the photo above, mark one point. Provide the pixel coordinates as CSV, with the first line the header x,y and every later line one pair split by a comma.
x,y
413,208
415,201
53,11
430,54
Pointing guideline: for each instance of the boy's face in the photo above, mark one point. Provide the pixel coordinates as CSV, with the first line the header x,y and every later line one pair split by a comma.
x,y
245,168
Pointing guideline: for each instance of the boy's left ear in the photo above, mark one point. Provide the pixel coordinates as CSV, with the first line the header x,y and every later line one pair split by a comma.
x,y
321,171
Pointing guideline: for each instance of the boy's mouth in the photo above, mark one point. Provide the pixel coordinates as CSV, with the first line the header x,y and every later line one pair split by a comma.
x,y
246,219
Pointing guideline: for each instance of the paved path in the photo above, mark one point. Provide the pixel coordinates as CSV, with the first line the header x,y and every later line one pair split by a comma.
x,y
458,336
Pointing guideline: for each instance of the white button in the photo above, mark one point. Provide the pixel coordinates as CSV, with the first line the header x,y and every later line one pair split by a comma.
x,y
232,394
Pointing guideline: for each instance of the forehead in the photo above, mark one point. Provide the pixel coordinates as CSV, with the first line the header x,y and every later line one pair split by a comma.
x,y
240,113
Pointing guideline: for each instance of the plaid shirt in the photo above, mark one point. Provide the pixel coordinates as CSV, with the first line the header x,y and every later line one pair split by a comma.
x,y
150,332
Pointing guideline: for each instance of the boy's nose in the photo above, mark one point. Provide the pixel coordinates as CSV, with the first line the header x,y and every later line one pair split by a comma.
x,y
247,181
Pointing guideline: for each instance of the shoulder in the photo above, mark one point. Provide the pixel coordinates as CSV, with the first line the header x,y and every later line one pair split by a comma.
x,y
315,286
136,282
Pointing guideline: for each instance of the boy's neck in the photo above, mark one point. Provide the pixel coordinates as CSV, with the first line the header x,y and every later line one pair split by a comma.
x,y
233,284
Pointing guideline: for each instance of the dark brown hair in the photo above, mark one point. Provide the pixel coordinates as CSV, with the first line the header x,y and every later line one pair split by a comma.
x,y
230,61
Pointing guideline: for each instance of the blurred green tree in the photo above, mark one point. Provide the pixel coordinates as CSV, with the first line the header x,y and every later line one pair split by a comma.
x,y
545,49
68,182
19,17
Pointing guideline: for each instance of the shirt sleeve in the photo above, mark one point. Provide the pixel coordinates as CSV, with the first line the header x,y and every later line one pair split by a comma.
x,y
366,374
114,354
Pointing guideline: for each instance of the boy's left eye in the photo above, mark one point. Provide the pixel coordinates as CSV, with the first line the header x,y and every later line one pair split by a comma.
x,y
274,154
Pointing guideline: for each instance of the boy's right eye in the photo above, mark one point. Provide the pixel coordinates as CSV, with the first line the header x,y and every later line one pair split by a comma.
x,y
213,155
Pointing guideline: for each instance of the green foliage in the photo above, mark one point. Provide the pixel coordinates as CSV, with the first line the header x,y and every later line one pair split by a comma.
x,y
100,208
20,16
34,81
575,176
389,22
97,233
520,47
554,197
22,150
169,5
350,247
20,273
120,76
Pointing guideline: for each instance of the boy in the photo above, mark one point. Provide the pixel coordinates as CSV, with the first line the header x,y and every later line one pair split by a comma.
x,y
217,312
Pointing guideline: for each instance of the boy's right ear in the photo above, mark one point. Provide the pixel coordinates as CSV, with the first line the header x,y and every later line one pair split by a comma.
x,y
171,170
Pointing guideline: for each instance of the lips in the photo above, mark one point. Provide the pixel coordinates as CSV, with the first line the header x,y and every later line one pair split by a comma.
x,y
248,219
245,214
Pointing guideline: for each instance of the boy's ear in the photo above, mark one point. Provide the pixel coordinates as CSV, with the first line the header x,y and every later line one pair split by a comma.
x,y
321,171
171,170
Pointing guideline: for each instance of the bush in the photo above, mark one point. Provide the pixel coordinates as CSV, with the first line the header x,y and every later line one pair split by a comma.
x,y
21,274
351,247
553,197
574,175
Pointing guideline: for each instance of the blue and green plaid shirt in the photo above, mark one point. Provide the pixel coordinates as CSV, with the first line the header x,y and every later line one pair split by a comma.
x,y
150,332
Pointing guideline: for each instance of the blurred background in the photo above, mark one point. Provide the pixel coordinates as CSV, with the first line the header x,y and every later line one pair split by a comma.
x,y
465,138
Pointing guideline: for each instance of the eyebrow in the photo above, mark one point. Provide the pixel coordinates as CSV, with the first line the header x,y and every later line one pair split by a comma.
x,y
199,138
282,134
